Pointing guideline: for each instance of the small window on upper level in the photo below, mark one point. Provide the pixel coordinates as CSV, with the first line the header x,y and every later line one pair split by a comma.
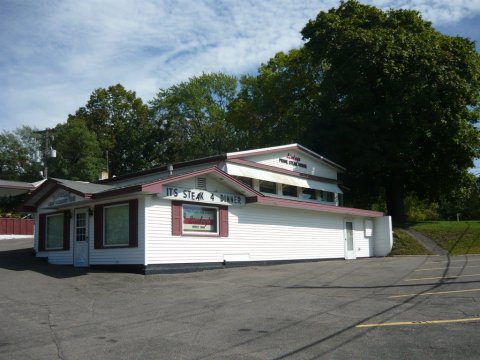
x,y
246,180
289,190
267,187
309,194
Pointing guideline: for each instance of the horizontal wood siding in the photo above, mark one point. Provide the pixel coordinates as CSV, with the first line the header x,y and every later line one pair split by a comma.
x,y
121,256
255,233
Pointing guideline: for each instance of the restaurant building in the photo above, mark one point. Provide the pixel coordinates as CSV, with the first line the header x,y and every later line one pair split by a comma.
x,y
263,206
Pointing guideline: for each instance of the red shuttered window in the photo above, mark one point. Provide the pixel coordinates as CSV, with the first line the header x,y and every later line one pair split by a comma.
x,y
199,220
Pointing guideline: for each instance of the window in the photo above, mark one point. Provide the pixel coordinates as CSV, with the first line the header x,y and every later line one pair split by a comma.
x,y
189,219
268,187
81,226
246,180
327,196
200,219
309,194
289,190
54,232
116,225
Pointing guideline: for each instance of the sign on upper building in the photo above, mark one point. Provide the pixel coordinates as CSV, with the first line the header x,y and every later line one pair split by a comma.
x,y
291,157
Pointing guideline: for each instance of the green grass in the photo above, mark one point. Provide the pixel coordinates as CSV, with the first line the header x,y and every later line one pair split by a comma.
x,y
457,237
404,244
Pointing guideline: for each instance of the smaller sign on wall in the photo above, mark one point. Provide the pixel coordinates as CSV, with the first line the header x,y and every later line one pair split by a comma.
x,y
202,196
293,160
61,197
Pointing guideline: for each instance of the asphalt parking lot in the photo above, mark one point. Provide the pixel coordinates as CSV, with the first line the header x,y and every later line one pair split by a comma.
x,y
425,307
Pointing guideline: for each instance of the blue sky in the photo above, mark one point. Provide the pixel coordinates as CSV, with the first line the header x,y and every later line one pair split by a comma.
x,y
55,53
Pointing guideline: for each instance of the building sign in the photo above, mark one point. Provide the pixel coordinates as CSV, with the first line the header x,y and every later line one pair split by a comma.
x,y
199,219
61,197
292,159
202,196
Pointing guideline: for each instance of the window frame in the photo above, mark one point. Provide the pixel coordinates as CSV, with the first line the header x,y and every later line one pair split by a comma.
x,y
126,244
275,188
177,220
42,231
99,226
62,214
199,233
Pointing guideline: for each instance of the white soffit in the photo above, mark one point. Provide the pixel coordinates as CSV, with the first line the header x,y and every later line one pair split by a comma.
x,y
239,170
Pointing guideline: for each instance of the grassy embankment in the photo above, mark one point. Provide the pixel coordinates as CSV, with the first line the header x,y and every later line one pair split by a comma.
x,y
404,244
457,237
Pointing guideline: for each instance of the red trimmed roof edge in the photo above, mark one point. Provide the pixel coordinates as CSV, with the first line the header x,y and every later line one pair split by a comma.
x,y
319,207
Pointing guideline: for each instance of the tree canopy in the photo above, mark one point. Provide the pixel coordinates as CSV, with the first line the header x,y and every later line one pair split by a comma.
x,y
399,100
193,116
123,126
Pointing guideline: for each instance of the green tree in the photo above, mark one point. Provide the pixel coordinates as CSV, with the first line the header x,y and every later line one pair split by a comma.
x,y
193,115
17,155
276,106
78,153
123,126
398,102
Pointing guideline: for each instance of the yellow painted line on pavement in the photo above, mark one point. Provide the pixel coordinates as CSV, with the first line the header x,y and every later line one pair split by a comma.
x,y
450,267
452,261
440,277
433,293
420,322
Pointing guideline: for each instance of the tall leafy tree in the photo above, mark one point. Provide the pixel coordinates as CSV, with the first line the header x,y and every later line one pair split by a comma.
x,y
275,106
398,102
123,126
79,156
193,114
17,155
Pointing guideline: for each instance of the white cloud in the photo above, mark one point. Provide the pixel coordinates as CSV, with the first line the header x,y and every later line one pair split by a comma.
x,y
56,53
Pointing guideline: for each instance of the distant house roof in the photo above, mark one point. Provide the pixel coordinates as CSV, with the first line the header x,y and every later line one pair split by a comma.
x,y
13,188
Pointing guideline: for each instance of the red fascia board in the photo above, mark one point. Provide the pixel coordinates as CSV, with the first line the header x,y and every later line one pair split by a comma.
x,y
158,185
282,171
318,207
54,188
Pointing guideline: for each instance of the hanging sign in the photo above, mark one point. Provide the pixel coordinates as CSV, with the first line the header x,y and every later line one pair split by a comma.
x,y
202,196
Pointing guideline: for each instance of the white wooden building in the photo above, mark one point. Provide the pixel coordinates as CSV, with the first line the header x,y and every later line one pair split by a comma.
x,y
270,205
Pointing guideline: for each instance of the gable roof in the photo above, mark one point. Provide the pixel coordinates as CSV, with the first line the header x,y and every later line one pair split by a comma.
x,y
94,191
274,149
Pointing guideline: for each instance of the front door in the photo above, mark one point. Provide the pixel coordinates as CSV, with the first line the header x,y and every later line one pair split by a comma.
x,y
349,241
80,250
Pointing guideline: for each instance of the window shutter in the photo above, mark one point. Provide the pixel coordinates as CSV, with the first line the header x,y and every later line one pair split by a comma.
x,y
176,218
41,232
66,229
98,230
133,225
223,221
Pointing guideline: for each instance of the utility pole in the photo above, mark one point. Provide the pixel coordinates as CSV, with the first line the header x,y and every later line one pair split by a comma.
x,y
47,152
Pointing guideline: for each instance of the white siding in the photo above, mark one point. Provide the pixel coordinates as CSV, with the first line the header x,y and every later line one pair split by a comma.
x,y
314,166
121,256
382,234
255,233
363,244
